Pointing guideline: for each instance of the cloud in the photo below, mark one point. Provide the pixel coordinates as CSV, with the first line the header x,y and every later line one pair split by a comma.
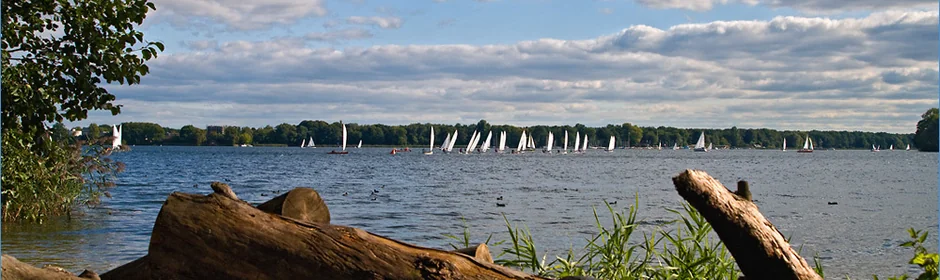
x,y
339,35
235,14
806,6
381,22
876,73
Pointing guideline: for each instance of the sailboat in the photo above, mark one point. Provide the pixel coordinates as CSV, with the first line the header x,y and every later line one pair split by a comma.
x,y
660,147
675,146
310,143
473,142
486,143
118,138
549,142
784,144
360,144
891,148
343,152
565,146
807,146
584,147
453,140
873,148
908,147
710,147
522,142
610,145
303,143
446,142
502,142
577,142
531,144
430,150
700,145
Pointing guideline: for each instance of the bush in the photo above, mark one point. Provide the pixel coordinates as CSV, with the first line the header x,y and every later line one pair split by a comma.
x,y
47,179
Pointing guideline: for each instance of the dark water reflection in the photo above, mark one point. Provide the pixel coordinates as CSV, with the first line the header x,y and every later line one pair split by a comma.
x,y
424,197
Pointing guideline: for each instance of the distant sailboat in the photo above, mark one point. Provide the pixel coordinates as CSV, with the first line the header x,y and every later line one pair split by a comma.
x,y
310,143
891,148
473,142
430,150
550,142
565,146
577,141
700,145
585,144
908,147
807,146
486,143
446,142
675,145
360,144
710,147
502,142
784,144
610,145
303,143
343,152
660,147
873,148
453,140
116,143
522,142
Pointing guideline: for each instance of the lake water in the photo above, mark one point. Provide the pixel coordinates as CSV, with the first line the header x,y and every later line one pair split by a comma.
x,y
879,195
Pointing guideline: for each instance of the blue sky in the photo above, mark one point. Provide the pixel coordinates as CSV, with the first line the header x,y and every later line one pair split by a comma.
x,y
784,64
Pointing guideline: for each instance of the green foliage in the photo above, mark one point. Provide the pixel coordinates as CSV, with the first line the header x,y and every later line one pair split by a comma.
x,y
37,186
141,133
686,252
925,139
922,258
56,53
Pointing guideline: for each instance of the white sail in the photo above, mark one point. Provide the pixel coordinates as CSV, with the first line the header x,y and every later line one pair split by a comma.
x,y
710,146
432,139
891,147
453,140
810,142
806,144
675,145
531,144
522,142
446,142
549,142
344,137
303,143
584,148
577,141
565,146
310,143
610,145
473,142
908,147
701,142
360,144
116,132
502,142
486,143
784,144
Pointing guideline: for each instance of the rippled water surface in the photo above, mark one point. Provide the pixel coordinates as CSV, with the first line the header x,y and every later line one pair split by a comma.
x,y
879,195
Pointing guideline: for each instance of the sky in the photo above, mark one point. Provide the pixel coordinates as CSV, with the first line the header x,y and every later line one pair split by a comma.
x,y
866,65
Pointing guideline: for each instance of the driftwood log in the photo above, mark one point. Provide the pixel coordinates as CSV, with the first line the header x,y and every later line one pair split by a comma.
x,y
216,237
303,204
757,246
481,252
14,269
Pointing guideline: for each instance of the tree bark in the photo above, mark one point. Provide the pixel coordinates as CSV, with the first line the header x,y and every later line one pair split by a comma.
x,y
481,252
758,247
215,237
14,269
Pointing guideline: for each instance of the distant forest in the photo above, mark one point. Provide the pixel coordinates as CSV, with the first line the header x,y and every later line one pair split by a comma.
x,y
416,135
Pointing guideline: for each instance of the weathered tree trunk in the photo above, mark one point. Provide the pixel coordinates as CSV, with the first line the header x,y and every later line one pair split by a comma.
x,y
481,252
215,237
757,246
14,269
302,204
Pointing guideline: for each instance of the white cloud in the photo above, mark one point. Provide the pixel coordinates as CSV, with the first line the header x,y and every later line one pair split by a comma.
x,y
873,73
339,35
236,14
806,6
382,22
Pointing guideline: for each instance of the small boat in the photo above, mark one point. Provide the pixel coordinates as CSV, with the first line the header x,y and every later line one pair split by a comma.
x,y
343,151
360,144
784,144
675,146
394,151
453,140
577,142
908,147
303,143
486,143
807,146
585,144
610,145
522,142
118,138
891,148
700,145
549,143
502,142
874,149
430,151
565,146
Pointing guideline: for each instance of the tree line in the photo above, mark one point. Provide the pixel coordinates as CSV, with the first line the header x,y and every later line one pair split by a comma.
x,y
417,134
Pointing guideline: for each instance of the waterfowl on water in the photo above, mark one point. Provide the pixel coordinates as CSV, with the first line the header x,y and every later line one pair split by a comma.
x,y
833,203
499,198
612,203
500,204
345,193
